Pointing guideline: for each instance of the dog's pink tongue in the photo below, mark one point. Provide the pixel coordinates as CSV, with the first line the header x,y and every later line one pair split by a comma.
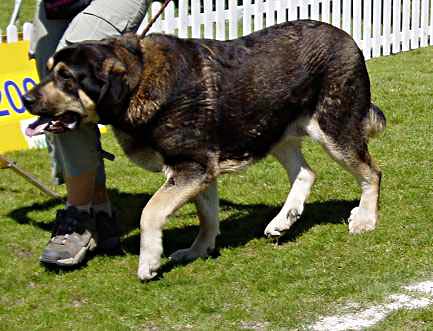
x,y
38,126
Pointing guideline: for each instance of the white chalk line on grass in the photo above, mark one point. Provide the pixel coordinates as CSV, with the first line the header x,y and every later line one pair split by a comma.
x,y
361,319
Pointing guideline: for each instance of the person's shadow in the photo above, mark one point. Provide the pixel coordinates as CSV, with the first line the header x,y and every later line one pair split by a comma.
x,y
247,222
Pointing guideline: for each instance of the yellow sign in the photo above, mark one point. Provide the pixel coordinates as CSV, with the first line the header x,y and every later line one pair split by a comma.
x,y
17,76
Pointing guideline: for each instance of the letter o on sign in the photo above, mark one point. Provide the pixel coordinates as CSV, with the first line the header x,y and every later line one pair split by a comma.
x,y
28,84
9,86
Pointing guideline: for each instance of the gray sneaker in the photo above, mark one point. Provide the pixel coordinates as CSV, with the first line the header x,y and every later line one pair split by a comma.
x,y
73,236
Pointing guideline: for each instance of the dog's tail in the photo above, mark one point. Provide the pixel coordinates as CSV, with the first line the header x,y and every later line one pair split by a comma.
x,y
375,121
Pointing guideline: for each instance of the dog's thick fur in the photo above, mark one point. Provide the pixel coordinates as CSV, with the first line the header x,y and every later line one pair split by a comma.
x,y
200,108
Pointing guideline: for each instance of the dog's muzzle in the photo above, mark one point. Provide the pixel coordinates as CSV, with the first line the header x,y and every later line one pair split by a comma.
x,y
69,120
54,124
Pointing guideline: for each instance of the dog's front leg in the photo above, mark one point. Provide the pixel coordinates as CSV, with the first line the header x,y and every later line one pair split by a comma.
x,y
184,183
207,204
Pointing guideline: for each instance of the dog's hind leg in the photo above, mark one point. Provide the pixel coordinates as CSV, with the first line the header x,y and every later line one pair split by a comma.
x,y
207,204
365,216
301,177
352,153
186,181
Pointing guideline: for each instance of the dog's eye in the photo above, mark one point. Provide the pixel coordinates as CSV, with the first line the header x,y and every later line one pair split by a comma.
x,y
64,74
81,77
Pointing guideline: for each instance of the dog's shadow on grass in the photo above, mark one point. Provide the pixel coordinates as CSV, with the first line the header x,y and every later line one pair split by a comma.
x,y
129,204
246,222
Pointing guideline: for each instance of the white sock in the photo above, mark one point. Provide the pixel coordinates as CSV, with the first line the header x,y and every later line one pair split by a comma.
x,y
103,207
85,208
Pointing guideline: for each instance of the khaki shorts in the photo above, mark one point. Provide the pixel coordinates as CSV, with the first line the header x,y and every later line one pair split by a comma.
x,y
77,152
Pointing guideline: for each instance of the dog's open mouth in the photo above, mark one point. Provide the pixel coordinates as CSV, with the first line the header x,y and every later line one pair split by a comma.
x,y
59,124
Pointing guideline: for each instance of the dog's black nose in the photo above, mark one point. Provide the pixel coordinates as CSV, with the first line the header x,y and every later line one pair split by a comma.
x,y
28,100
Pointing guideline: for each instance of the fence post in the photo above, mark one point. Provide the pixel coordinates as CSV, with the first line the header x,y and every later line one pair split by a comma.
x,y
315,10
396,31
11,34
414,36
377,26
406,26
169,22
208,20
246,19
258,15
347,15
357,21
326,11
386,27
424,22
220,20
367,29
195,18
281,12
27,31
336,13
233,19
293,11
183,19
270,12
303,4
156,27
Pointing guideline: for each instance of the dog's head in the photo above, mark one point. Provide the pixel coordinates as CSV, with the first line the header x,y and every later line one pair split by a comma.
x,y
84,79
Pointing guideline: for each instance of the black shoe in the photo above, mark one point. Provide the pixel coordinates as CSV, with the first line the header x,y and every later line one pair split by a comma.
x,y
108,233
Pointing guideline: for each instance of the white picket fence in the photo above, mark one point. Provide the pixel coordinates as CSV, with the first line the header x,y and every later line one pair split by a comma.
x,y
380,27
13,35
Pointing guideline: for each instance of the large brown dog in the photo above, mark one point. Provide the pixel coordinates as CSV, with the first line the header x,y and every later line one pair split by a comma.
x,y
200,108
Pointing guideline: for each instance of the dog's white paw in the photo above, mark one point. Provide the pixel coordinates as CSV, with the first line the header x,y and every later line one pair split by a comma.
x,y
280,224
361,220
146,270
189,254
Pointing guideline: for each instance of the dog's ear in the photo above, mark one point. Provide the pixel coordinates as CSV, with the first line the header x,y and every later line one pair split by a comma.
x,y
50,64
63,55
115,87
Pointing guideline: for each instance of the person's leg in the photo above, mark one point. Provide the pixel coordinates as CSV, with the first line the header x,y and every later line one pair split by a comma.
x,y
84,172
76,231
79,152
101,19
46,37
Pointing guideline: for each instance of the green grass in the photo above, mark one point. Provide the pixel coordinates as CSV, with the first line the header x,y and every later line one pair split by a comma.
x,y
6,8
252,282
